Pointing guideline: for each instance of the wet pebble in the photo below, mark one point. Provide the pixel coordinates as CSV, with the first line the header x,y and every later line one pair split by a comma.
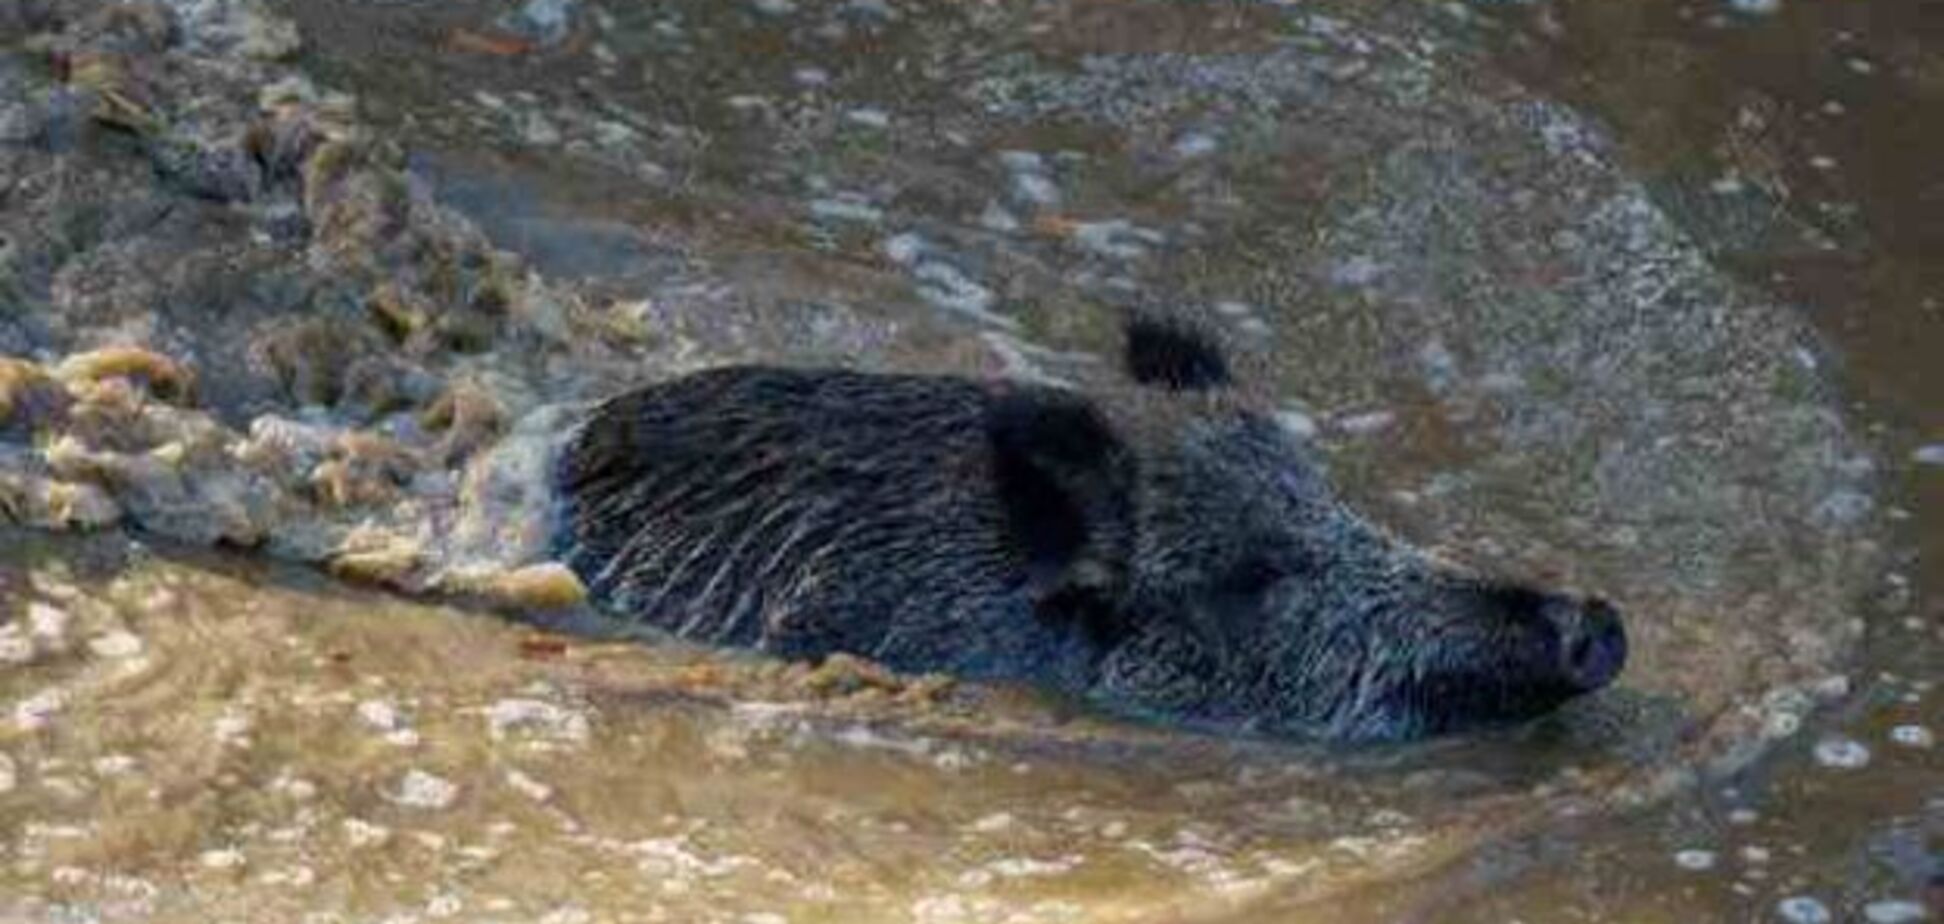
x,y
1195,144
1022,161
361,833
15,646
48,623
1802,909
1357,271
1913,736
1757,7
35,712
528,786
1894,911
1781,722
224,858
296,788
868,118
1842,753
419,789
996,218
1297,423
232,728
117,644
948,287
1366,424
379,714
998,821
544,21
1695,860
1115,238
297,876
846,208
114,765
538,718
1035,189
538,131
264,35
904,248
1932,454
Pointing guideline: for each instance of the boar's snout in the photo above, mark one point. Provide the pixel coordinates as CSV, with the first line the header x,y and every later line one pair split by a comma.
x,y
1592,641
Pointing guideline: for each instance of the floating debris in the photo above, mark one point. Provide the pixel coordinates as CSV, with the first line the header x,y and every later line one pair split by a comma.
x,y
1895,911
1913,736
1803,909
1842,753
1695,860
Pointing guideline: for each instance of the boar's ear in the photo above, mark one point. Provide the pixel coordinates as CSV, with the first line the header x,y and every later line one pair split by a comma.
x,y
1064,483
1174,354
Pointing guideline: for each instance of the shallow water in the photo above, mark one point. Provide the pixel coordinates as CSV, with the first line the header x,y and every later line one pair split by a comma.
x,y
1606,385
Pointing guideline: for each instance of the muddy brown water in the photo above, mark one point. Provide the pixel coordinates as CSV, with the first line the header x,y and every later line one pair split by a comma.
x,y
197,736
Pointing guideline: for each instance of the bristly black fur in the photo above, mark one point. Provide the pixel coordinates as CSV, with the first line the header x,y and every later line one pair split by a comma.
x,y
1174,354
1141,546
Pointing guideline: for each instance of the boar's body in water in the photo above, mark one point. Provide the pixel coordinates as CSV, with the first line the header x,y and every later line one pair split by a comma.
x,y
1162,549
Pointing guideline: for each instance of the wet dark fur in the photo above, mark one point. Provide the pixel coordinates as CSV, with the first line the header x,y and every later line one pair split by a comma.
x,y
1167,551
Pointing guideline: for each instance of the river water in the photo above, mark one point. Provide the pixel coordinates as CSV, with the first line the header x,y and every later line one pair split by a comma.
x,y
1633,298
